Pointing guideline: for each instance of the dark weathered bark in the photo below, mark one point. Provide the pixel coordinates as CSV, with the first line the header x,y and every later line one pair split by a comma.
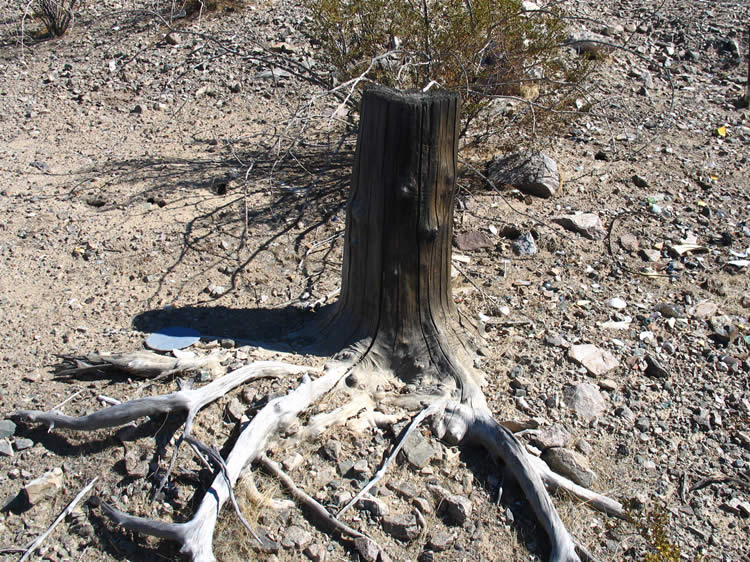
x,y
396,300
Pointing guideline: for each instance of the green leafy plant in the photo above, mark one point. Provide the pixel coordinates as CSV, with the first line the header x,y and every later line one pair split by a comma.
x,y
56,15
485,49
652,526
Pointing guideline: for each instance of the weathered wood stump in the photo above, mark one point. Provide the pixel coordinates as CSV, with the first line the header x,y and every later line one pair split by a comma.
x,y
396,305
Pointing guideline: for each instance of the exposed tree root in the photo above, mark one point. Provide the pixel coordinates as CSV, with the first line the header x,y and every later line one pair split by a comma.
x,y
142,364
465,421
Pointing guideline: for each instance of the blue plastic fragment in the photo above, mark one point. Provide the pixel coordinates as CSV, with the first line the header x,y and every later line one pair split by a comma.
x,y
173,337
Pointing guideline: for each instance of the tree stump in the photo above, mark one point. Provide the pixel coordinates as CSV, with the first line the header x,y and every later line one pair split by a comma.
x,y
396,317
396,306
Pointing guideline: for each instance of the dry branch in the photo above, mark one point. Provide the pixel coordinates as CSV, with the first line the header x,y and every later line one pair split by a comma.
x,y
38,542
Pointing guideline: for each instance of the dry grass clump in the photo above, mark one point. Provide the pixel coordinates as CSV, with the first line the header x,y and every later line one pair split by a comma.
x,y
56,15
233,542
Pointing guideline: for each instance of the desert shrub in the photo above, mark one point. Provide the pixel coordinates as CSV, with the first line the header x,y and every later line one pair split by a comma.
x,y
485,49
56,15
652,526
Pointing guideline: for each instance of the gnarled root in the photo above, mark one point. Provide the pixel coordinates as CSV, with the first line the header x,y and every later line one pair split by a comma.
x,y
196,535
141,364
187,399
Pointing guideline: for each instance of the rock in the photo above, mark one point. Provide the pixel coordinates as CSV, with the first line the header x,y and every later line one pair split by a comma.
x,y
597,361
589,43
22,443
639,181
234,410
440,540
367,549
267,545
629,242
524,245
374,506
724,330
584,399
292,462
532,173
316,553
556,340
7,429
48,485
137,110
345,466
617,303
474,240
6,449
649,254
404,489
360,468
654,368
586,224
648,82
332,450
134,465
584,447
275,74
705,309
418,450
216,290
173,38
554,436
626,414
401,527
607,384
296,537
669,310
457,508
570,464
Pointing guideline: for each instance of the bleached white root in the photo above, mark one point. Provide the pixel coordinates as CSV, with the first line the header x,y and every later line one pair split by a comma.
x,y
468,421
555,481
196,535
142,364
482,429
187,399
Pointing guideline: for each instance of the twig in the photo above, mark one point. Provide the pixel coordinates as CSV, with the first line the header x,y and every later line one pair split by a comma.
x,y
38,542
428,411
68,399
309,501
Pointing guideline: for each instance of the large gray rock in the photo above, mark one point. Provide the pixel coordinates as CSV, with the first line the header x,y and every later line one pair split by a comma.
x,y
570,464
7,429
296,537
585,399
530,172
524,245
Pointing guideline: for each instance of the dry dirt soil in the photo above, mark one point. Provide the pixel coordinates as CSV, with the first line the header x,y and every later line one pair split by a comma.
x,y
149,181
